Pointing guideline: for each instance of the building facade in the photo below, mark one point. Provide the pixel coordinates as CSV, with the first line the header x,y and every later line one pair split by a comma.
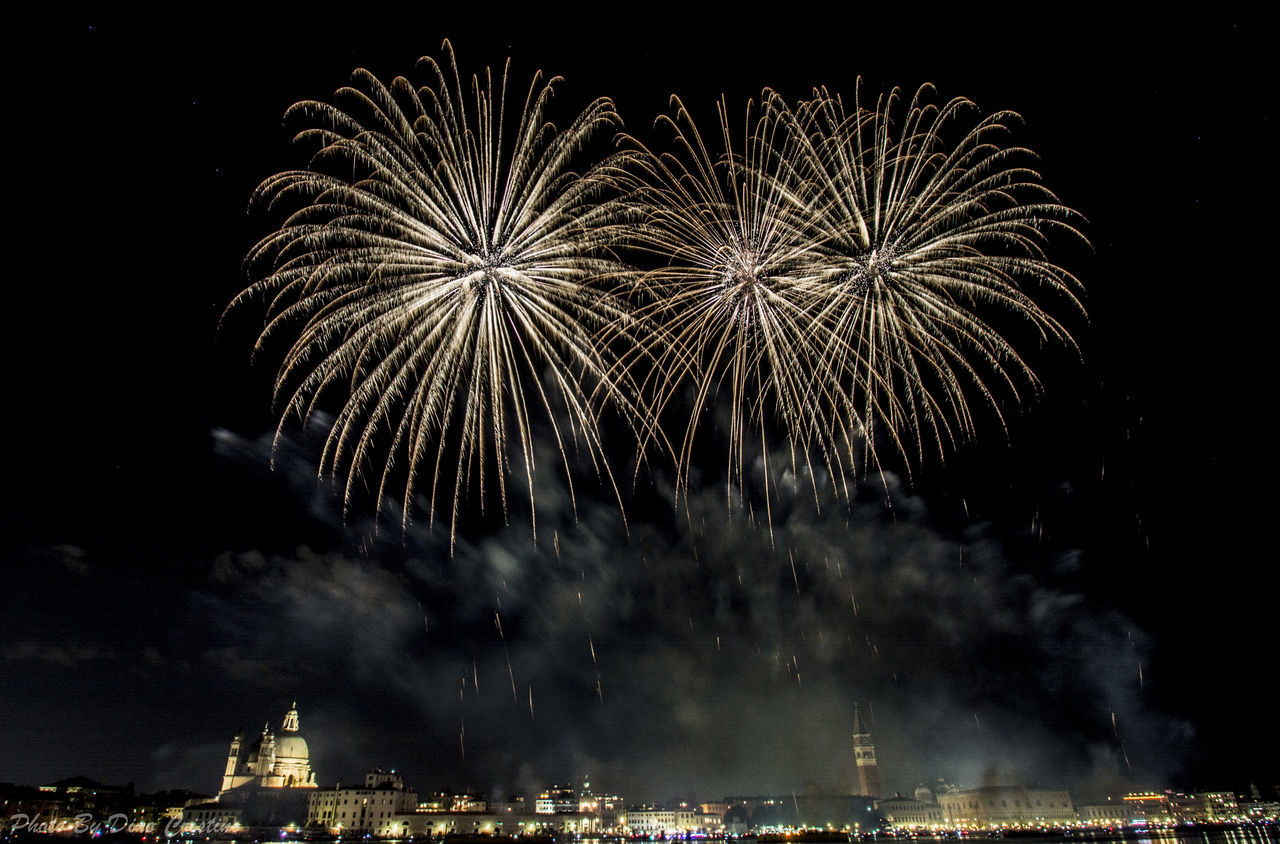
x,y
373,808
1001,806
271,761
908,813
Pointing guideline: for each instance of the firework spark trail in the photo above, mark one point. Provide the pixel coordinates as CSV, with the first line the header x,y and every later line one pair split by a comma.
x,y
1137,659
438,269
595,664
1123,751
497,620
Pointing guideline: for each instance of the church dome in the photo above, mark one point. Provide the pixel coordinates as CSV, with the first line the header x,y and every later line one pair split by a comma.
x,y
292,746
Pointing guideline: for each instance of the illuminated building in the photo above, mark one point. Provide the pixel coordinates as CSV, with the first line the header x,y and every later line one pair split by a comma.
x,y
1148,807
557,800
270,762
908,813
1109,814
670,822
1007,805
263,784
372,808
440,824
864,754
599,812
448,801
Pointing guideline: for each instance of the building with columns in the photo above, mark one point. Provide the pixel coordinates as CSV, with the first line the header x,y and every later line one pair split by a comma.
x,y
271,761
1000,806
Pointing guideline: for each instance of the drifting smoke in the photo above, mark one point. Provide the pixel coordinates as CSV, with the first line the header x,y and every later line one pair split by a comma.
x,y
689,652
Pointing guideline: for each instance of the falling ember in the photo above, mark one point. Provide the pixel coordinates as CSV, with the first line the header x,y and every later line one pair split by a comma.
x,y
979,723
530,703
794,578
497,620
595,664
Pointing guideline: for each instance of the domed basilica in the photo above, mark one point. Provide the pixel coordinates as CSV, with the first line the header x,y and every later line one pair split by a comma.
x,y
270,762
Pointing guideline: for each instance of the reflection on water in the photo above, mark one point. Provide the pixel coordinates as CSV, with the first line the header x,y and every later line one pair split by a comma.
x,y
1249,834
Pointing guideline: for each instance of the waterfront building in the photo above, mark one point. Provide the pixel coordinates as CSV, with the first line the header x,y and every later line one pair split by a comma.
x,y
21,803
998,806
271,761
440,824
448,801
1148,807
1109,814
265,783
372,808
600,812
649,820
557,800
915,814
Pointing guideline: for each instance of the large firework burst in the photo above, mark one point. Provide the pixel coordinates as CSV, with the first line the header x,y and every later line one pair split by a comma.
x,y
932,237
729,304
435,269
844,277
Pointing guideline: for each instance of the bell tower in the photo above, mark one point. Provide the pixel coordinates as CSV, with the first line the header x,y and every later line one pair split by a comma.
x,y
233,764
864,754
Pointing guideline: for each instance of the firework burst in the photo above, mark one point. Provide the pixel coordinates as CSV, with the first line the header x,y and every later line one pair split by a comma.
x,y
435,269
932,235
832,277
729,305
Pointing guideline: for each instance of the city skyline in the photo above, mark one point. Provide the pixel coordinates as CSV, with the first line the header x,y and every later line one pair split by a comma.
x,y
1080,605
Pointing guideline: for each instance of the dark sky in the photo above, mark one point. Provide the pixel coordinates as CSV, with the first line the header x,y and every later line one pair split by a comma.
x,y
1087,603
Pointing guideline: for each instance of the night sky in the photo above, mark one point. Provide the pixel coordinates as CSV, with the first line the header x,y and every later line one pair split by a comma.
x,y
1087,602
